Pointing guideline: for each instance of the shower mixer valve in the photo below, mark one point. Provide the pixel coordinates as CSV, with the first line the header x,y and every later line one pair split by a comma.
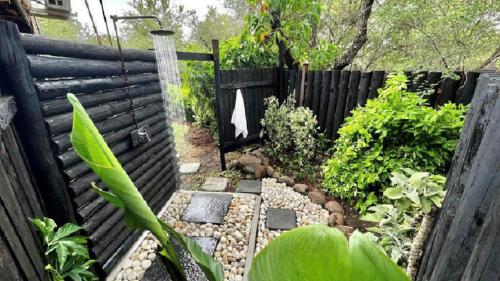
x,y
140,136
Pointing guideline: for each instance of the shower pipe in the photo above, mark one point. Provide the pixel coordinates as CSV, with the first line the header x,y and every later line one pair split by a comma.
x,y
139,135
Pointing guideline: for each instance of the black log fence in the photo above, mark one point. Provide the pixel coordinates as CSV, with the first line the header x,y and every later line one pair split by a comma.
x,y
331,95
39,72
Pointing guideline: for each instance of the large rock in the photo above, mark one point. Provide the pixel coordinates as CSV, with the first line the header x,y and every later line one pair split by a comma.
x,y
276,175
270,171
249,163
257,153
232,165
335,219
287,180
334,207
317,197
260,172
300,187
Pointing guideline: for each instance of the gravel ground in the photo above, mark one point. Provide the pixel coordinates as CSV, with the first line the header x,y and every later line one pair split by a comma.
x,y
231,249
278,195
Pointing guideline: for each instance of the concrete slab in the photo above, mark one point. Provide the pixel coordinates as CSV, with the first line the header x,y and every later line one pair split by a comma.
x,y
281,219
189,168
208,244
215,184
249,186
207,208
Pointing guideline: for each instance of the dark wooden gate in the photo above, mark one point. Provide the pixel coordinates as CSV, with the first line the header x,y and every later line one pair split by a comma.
x,y
20,249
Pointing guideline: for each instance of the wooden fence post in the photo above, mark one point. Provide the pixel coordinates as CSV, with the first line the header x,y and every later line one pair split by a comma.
x,y
15,78
465,241
218,104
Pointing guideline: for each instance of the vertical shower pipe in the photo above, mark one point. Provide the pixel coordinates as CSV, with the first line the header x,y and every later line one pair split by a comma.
x,y
218,103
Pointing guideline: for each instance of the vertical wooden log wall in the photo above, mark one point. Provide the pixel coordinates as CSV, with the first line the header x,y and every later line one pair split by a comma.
x,y
465,241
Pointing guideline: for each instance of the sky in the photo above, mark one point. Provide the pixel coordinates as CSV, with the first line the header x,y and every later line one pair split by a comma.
x,y
118,7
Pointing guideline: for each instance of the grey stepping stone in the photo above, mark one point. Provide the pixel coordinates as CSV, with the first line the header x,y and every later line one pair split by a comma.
x,y
280,219
207,208
189,168
208,244
249,186
215,184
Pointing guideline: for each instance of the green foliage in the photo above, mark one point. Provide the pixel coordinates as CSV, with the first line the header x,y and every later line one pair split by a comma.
x,y
416,190
66,255
89,144
395,130
246,52
412,194
318,252
291,136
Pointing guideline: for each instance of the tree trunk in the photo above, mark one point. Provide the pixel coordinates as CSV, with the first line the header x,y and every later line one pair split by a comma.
x,y
359,41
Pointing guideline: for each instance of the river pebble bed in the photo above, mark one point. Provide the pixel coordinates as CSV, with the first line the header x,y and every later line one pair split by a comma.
x,y
278,195
233,237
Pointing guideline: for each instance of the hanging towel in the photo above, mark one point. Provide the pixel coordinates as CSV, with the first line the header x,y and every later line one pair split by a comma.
x,y
239,119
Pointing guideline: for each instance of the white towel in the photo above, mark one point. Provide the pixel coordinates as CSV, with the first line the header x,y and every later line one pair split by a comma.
x,y
239,119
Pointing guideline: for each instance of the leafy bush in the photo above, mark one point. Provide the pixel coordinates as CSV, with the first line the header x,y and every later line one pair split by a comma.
x,y
413,195
66,255
291,136
395,130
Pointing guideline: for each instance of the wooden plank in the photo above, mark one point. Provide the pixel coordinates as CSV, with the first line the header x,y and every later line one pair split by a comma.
x,y
341,100
249,84
364,88
332,102
15,78
324,100
472,184
352,93
59,88
316,92
53,67
218,102
308,99
433,84
446,93
8,266
194,56
62,123
467,86
58,106
39,45
376,83
297,87
7,111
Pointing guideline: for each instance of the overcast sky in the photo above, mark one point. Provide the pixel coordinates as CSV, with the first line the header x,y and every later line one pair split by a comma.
x,y
118,7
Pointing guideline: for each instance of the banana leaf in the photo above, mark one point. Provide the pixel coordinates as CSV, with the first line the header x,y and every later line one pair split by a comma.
x,y
91,147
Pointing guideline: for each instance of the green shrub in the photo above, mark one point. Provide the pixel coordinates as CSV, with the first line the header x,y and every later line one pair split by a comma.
x,y
66,255
413,195
291,136
395,130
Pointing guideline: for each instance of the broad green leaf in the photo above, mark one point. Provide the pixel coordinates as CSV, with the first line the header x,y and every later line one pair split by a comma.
x,y
394,193
370,263
66,230
91,147
314,252
62,253
318,252
108,196
426,205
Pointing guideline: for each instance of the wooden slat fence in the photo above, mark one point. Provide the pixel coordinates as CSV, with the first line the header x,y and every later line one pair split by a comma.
x,y
332,95
41,72
20,247
255,85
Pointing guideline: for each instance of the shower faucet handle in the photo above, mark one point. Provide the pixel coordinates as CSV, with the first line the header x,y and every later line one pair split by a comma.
x,y
140,136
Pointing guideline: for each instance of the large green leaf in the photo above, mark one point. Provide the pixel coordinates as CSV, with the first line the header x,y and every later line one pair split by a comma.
x,y
321,253
91,147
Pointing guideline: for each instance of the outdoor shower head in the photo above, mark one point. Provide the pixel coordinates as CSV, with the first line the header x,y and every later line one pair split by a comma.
x,y
162,32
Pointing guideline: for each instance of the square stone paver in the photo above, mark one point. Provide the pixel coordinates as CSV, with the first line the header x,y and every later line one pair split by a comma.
x,y
207,208
208,244
189,168
282,219
249,186
215,184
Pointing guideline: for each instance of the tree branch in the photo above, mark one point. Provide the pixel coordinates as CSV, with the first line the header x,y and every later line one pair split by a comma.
x,y
359,41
